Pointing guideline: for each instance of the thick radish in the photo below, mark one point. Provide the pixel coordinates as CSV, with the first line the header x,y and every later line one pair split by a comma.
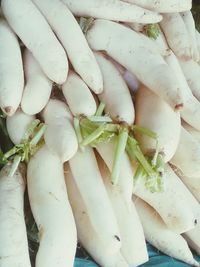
x,y
38,86
89,182
116,95
37,37
158,234
17,125
151,112
112,10
177,35
79,53
11,70
88,236
60,136
51,210
132,236
14,244
137,54
78,96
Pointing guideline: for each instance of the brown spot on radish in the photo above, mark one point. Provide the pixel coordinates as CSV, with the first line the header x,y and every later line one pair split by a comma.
x,y
178,107
117,237
8,110
195,222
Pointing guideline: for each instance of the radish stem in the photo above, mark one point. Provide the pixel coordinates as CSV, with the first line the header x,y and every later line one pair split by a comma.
x,y
100,109
96,118
94,135
15,165
78,130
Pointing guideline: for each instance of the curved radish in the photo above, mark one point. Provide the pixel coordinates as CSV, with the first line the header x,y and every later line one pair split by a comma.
x,y
78,96
17,125
112,10
137,54
51,210
116,95
38,87
89,237
11,70
79,53
14,244
37,37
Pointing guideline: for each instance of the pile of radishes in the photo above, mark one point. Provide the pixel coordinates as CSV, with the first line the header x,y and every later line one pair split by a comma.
x,y
102,103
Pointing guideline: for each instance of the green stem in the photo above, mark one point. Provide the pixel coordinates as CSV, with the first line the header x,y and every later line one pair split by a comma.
x,y
118,156
94,135
100,109
10,152
30,130
155,157
37,137
144,131
99,118
78,130
15,165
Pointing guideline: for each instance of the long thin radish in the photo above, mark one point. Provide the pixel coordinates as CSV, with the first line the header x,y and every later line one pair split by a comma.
x,y
80,55
78,96
17,125
60,136
37,37
14,244
89,182
164,6
132,236
151,111
116,95
51,210
38,87
88,236
112,10
138,55
11,70
177,35
158,234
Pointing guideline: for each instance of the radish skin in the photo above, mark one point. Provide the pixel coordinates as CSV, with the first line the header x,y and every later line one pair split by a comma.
x,y
38,87
126,47
51,210
37,37
11,70
17,125
195,133
112,10
14,247
78,96
79,53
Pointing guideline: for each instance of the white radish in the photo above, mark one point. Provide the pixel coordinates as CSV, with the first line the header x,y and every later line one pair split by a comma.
x,y
14,244
177,35
89,182
112,10
79,53
158,234
88,236
17,125
116,95
164,6
198,40
137,54
151,112
38,87
51,210
195,133
37,37
11,70
60,136
78,96
132,236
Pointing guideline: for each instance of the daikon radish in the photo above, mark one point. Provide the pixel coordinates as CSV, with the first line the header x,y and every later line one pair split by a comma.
x,y
131,81
137,54
79,53
89,237
177,35
157,234
38,87
37,37
51,210
116,95
60,136
151,112
87,176
164,6
11,70
78,96
17,125
132,236
14,244
195,133
112,10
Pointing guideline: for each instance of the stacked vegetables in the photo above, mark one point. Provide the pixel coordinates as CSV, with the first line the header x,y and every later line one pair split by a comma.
x,y
102,106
